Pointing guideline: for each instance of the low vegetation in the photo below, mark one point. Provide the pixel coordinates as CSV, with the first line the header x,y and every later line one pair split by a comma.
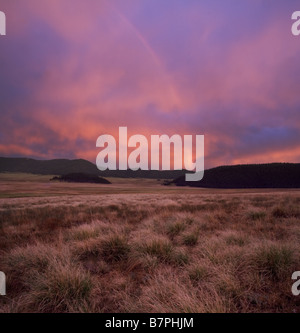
x,y
81,178
151,253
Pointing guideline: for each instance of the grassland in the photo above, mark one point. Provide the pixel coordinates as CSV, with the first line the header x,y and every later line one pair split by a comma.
x,y
137,246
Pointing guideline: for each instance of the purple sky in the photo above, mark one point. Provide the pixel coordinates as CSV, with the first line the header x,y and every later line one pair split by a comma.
x,y
71,70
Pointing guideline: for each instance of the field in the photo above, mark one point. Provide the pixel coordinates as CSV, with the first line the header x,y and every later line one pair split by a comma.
x,y
138,246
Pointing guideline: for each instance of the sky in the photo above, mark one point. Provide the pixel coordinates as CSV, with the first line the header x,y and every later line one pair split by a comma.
x,y
72,70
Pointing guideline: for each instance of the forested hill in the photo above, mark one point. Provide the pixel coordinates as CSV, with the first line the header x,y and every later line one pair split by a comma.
x,y
273,175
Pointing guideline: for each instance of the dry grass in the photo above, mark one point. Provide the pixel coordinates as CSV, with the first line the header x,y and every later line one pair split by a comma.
x,y
209,252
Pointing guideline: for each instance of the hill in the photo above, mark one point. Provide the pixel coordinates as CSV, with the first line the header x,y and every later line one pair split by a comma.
x,y
273,175
81,178
46,167
65,166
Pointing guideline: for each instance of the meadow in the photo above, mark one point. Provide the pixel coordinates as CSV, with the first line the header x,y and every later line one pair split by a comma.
x,y
139,246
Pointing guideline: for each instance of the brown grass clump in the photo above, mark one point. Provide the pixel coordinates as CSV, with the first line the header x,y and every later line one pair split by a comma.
x,y
115,248
62,288
276,261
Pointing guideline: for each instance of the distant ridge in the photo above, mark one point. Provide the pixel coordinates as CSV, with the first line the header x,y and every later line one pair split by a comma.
x,y
46,167
64,166
273,175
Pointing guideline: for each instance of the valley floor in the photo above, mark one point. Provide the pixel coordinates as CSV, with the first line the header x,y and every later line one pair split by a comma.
x,y
138,246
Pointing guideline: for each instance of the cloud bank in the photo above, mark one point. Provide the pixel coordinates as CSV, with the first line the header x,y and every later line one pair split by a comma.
x,y
71,70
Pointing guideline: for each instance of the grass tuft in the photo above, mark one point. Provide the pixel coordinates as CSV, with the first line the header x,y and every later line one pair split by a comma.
x,y
115,248
274,261
190,239
60,289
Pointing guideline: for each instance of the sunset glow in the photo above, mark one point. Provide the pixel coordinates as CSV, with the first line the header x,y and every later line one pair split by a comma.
x,y
71,71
